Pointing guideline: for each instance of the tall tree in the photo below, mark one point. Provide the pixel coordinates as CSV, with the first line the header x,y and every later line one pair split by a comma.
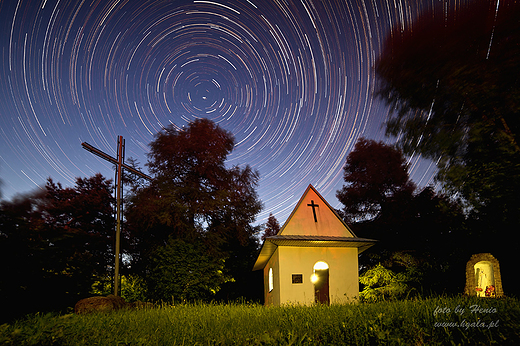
x,y
79,222
272,227
195,197
376,176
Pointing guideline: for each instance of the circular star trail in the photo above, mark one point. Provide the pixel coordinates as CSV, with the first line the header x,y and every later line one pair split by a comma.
x,y
292,80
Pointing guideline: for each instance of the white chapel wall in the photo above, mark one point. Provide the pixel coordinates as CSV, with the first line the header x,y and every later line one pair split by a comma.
x,y
272,297
343,273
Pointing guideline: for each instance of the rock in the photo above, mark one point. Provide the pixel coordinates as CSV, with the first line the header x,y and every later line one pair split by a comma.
x,y
100,304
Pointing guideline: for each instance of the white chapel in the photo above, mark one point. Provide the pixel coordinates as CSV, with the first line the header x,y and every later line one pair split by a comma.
x,y
313,258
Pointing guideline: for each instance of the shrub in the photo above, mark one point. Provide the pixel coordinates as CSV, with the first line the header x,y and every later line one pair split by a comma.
x,y
184,271
382,284
133,288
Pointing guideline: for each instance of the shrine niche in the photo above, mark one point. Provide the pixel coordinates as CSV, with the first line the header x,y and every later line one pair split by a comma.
x,y
483,276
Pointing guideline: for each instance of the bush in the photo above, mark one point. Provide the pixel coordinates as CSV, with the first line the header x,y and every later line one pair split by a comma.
x,y
133,288
184,271
382,284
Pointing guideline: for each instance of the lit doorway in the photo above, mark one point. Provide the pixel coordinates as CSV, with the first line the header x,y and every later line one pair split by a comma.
x,y
320,278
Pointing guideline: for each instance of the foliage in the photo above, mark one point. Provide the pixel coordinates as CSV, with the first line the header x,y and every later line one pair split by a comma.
x,y
182,271
57,242
196,198
435,321
401,274
452,81
103,287
376,176
382,284
272,227
80,223
133,288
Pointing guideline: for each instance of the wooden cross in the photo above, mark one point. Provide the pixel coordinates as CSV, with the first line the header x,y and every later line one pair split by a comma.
x,y
119,162
313,209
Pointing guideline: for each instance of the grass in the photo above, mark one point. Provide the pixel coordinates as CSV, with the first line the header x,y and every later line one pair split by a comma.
x,y
435,321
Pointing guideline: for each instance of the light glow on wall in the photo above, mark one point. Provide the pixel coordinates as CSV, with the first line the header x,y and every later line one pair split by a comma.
x,y
271,280
321,265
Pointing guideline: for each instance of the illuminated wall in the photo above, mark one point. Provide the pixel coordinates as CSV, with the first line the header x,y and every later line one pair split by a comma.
x,y
293,252
289,260
272,297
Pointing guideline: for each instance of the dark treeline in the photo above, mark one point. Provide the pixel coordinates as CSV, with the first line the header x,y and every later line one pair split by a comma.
x,y
188,234
423,236
54,244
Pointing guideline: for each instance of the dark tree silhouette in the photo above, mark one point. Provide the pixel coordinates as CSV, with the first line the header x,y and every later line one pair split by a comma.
x,y
272,227
376,176
56,243
453,79
80,225
380,202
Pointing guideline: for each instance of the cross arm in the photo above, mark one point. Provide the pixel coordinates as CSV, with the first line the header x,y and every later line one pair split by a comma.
x,y
111,159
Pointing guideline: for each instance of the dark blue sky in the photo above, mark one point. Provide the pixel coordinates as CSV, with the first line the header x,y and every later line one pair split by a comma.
x,y
292,80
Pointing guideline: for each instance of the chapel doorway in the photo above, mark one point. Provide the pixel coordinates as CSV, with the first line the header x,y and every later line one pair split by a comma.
x,y
320,278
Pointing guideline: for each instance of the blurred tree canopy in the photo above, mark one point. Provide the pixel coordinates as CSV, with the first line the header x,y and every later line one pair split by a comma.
x,y
452,79
55,243
195,198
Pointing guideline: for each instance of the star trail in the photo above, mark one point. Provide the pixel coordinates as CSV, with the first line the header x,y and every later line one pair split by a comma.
x,y
292,80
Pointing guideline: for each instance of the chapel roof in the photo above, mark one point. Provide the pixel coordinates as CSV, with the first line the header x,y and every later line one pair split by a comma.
x,y
271,244
312,225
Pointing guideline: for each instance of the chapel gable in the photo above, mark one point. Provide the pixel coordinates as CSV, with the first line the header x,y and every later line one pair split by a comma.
x,y
313,216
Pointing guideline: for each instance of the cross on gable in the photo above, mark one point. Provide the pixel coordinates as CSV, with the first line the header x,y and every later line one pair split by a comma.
x,y
329,223
313,209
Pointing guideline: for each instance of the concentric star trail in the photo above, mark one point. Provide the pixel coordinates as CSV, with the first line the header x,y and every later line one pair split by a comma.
x,y
292,80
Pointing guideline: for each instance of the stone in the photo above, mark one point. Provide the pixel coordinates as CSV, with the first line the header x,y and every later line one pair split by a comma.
x,y
100,304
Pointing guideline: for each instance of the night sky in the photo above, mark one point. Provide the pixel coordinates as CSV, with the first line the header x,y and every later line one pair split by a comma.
x,y
292,80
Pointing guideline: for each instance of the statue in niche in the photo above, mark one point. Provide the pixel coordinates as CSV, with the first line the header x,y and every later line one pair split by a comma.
x,y
483,276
